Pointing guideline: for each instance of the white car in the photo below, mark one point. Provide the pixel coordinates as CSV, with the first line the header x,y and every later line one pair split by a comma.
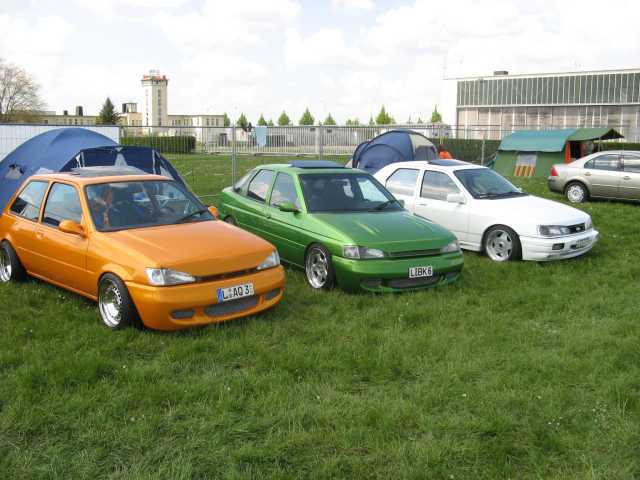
x,y
488,213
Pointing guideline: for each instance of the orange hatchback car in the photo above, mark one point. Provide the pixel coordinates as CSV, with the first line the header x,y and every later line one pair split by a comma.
x,y
146,249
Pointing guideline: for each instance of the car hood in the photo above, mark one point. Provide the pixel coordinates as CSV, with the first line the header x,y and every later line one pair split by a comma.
x,y
198,248
534,209
393,231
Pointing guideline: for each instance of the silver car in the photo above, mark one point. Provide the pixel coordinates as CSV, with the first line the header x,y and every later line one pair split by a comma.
x,y
609,174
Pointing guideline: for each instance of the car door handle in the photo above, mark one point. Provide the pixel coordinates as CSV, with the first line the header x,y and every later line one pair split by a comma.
x,y
422,204
626,177
587,174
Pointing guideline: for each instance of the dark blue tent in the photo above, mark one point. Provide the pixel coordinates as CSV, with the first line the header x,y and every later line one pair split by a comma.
x,y
62,149
393,146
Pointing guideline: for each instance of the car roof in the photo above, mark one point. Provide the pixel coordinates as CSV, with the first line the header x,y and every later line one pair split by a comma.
x,y
440,165
309,167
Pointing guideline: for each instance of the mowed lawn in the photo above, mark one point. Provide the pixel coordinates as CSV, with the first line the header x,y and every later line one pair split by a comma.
x,y
520,370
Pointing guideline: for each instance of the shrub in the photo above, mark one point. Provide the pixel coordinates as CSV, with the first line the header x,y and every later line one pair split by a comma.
x,y
468,150
164,144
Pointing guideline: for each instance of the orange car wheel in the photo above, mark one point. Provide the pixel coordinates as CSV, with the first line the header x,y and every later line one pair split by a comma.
x,y
114,302
10,266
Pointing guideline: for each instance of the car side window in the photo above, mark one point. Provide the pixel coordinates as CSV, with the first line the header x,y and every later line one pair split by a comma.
x,y
284,191
605,162
403,181
259,185
28,203
63,203
437,185
631,163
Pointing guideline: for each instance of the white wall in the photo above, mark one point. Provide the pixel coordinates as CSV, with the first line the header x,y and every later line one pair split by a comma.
x,y
11,136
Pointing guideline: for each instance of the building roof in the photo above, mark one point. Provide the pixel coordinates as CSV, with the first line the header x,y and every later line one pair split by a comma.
x,y
553,140
545,74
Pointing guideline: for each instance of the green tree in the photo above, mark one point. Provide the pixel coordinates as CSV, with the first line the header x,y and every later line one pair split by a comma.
x,y
242,121
435,116
384,118
329,120
307,118
261,121
409,122
19,94
283,119
226,120
371,121
108,114
420,121
270,123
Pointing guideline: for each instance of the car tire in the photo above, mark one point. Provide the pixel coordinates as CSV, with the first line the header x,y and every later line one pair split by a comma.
x,y
116,308
576,192
231,221
502,244
318,268
11,268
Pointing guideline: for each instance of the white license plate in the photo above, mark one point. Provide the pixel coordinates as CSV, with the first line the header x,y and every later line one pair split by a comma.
x,y
583,243
418,272
237,291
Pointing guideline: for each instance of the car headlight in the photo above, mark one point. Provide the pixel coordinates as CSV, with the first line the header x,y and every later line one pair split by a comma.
x,y
553,230
362,253
451,247
588,225
273,260
161,277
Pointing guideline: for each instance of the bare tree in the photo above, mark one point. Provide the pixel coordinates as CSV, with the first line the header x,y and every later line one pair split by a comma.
x,y
19,93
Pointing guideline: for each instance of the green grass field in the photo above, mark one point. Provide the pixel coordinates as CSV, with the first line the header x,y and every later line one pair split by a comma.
x,y
521,371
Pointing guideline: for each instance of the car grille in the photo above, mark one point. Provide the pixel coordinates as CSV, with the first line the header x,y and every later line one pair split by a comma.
x,y
413,282
231,307
224,276
415,253
580,227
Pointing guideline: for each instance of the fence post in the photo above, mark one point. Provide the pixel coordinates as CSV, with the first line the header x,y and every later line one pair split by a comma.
x,y
233,154
484,136
321,135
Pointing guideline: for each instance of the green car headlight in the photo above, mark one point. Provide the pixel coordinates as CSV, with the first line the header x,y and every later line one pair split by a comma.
x,y
553,230
273,260
162,277
361,253
451,247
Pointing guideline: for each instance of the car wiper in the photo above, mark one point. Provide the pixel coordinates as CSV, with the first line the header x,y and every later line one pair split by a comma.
x,y
383,205
191,215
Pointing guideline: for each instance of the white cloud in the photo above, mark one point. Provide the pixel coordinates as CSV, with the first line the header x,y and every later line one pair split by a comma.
x,y
353,4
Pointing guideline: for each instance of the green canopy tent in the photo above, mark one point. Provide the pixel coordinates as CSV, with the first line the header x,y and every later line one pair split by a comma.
x,y
531,153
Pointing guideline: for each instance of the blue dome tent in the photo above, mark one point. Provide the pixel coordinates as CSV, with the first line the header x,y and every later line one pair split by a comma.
x,y
63,149
391,147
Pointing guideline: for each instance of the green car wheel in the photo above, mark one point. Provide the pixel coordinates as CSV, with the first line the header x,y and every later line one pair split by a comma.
x,y
318,268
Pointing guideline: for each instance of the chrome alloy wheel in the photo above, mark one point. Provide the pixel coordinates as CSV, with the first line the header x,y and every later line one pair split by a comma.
x,y
317,268
499,245
5,266
110,303
575,193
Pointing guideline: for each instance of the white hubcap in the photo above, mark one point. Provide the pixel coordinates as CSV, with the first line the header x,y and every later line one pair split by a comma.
x,y
575,193
317,268
110,303
5,266
499,245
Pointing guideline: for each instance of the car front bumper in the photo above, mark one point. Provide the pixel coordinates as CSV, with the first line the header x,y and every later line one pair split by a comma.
x,y
392,275
542,249
195,304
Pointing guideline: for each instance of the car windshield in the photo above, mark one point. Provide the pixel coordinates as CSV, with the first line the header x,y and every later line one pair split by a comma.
x,y
345,192
485,183
125,205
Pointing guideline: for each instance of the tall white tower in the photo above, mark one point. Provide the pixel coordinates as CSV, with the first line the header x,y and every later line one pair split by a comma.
x,y
154,103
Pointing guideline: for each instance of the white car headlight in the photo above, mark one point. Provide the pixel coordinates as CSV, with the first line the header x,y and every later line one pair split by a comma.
x,y
361,253
553,230
588,225
161,277
273,260
451,247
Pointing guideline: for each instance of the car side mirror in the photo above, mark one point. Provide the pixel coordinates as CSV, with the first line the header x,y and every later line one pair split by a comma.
x,y
214,211
69,226
456,198
400,202
288,207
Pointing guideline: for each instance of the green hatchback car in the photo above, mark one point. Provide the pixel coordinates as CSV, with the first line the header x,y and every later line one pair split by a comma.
x,y
342,227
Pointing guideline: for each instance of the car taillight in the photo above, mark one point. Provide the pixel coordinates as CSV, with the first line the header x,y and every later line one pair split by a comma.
x,y
554,172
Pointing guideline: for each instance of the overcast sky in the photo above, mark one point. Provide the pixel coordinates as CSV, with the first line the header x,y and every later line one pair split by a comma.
x,y
346,57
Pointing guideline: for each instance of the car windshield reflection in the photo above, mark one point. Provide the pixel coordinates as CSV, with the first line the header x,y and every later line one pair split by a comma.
x,y
483,183
126,205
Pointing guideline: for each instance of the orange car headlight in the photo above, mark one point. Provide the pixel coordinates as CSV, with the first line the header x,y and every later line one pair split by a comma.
x,y
162,277
273,260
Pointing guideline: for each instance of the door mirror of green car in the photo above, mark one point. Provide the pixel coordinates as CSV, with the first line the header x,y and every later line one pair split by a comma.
x,y
401,203
288,207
